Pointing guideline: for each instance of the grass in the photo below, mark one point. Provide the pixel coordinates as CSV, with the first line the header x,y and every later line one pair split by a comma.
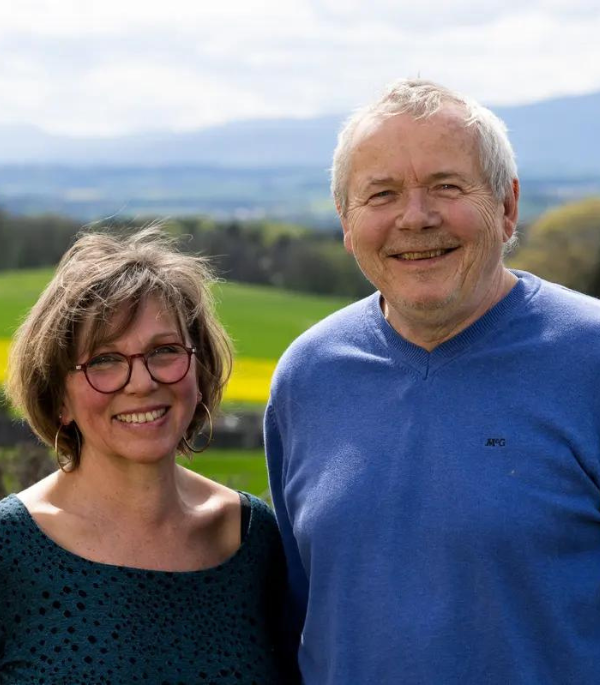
x,y
263,320
238,469
19,291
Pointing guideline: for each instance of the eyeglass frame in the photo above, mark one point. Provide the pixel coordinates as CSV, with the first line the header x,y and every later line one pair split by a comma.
x,y
144,356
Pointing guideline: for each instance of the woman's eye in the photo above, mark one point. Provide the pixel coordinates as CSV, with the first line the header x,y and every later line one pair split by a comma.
x,y
167,352
104,359
167,349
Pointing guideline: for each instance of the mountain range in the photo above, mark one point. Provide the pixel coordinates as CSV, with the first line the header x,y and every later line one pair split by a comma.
x,y
556,137
265,167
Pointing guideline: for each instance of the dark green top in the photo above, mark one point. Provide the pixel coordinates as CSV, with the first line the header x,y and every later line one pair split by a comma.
x,y
68,620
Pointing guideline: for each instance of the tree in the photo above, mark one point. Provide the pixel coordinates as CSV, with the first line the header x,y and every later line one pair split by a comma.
x,y
563,246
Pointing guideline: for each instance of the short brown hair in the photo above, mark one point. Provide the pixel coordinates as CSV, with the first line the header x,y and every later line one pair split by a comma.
x,y
102,271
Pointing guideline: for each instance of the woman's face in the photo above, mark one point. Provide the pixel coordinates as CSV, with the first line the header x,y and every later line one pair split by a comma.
x,y
144,421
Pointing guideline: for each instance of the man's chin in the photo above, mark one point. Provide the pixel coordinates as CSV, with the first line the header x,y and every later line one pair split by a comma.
x,y
423,303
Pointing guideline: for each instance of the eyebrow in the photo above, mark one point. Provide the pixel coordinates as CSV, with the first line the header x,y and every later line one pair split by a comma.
x,y
379,181
441,175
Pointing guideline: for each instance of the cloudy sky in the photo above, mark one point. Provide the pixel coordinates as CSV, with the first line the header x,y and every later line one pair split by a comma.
x,y
102,67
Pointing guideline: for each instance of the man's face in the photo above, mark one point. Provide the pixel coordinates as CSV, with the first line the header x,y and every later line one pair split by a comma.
x,y
422,222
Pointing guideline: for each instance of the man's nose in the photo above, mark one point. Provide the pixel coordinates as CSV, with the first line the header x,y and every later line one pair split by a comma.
x,y
417,211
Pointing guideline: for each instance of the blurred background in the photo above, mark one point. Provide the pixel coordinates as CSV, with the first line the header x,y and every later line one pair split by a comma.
x,y
221,120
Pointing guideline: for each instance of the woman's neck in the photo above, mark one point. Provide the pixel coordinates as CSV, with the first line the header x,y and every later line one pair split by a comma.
x,y
132,493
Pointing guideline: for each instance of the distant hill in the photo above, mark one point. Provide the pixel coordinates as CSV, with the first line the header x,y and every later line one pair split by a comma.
x,y
267,167
554,137
258,143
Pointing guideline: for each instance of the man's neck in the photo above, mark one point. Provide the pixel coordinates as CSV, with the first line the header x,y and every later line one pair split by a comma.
x,y
429,329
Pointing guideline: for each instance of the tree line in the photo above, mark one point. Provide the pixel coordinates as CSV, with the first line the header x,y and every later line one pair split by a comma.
x,y
266,253
563,246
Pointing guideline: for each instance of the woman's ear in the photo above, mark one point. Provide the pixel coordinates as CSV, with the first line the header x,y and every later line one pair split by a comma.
x,y
66,415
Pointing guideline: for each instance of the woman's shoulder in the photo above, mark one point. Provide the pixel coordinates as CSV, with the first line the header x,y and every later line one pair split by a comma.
x,y
9,508
12,513
15,531
260,510
225,502
263,540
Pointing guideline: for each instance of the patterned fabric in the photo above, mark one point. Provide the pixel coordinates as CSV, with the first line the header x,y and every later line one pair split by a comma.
x,y
68,620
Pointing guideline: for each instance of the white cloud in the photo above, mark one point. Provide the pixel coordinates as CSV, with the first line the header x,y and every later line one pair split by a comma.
x,y
112,66
101,17
140,93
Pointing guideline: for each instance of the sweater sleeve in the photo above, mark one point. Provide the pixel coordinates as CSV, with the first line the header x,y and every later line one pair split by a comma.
x,y
297,579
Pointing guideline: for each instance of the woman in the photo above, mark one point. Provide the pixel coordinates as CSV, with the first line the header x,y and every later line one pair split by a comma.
x,y
123,567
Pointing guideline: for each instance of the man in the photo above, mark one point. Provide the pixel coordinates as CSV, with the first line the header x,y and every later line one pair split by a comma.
x,y
434,450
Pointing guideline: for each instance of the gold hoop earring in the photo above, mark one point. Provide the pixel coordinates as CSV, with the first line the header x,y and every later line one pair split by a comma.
x,y
61,460
56,438
187,443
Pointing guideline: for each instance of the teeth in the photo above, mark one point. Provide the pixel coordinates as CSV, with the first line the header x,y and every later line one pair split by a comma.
x,y
422,255
142,417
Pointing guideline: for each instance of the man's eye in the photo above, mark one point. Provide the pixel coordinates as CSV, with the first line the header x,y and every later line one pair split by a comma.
x,y
381,195
449,187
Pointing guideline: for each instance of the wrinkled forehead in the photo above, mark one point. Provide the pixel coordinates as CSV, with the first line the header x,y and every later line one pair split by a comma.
x,y
103,324
382,140
449,120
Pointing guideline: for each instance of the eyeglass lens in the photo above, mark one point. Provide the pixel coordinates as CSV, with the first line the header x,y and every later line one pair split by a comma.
x,y
110,372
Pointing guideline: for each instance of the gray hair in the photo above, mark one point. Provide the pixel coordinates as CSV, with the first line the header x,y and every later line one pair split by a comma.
x,y
422,99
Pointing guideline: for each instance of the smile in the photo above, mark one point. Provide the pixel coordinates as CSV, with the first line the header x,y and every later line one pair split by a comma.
x,y
141,417
429,254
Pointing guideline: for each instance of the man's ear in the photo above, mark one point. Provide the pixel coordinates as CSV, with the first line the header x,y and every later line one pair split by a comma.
x,y
511,210
346,229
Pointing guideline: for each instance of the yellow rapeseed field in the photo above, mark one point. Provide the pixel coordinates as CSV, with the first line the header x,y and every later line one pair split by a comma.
x,y
249,382
4,343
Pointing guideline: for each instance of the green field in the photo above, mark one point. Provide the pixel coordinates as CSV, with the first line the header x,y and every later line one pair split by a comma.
x,y
238,469
18,292
263,321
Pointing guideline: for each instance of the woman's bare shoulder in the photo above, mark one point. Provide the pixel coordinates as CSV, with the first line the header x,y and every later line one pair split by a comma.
x,y
205,494
39,498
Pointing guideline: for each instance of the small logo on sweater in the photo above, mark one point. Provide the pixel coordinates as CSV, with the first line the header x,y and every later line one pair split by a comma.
x,y
495,442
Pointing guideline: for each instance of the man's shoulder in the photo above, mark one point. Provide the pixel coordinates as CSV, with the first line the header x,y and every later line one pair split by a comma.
x,y
556,321
340,330
340,327
568,307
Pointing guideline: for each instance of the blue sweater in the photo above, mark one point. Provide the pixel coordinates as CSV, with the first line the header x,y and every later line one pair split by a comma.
x,y
441,511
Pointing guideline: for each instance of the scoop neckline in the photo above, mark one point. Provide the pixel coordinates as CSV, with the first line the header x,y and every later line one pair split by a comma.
x,y
115,568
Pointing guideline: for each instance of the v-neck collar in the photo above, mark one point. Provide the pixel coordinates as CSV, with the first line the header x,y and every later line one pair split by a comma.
x,y
424,362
